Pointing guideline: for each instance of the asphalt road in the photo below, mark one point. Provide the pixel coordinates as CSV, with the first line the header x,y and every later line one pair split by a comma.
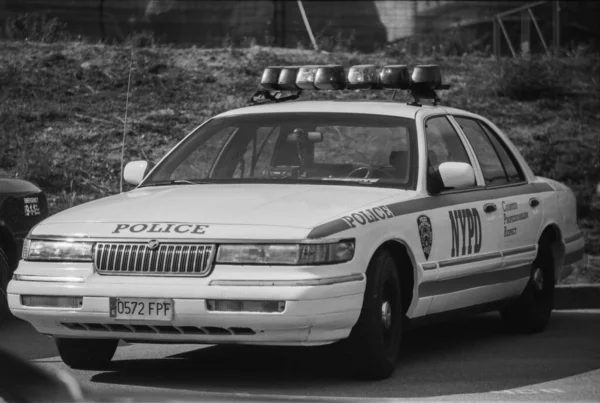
x,y
466,360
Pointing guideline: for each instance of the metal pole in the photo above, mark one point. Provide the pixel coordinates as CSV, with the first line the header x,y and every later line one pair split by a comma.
x,y
525,33
310,33
556,25
101,20
496,39
516,10
539,31
512,50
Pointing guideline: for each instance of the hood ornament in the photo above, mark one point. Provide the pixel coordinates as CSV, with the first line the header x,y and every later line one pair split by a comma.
x,y
153,244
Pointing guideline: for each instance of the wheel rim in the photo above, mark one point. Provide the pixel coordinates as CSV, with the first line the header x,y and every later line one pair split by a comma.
x,y
386,315
538,279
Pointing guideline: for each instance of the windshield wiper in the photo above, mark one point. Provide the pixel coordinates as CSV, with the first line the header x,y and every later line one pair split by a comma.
x,y
175,182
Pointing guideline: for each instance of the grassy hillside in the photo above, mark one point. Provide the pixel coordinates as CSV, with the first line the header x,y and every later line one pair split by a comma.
x,y
62,109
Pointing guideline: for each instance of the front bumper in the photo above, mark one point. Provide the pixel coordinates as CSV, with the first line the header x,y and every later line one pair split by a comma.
x,y
314,314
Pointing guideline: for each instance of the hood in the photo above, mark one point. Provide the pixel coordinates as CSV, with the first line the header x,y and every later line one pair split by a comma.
x,y
253,206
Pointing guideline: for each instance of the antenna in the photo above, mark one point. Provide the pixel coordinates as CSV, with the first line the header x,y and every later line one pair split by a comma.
x,y
125,122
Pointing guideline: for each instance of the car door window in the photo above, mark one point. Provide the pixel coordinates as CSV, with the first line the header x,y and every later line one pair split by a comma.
x,y
443,145
492,168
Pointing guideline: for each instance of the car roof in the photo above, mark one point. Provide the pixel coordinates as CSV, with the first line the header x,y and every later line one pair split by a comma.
x,y
373,107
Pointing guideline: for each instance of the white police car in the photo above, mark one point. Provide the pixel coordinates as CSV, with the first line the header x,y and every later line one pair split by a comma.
x,y
306,223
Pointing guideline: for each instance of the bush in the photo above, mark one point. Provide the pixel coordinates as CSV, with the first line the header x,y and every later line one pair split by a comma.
x,y
450,42
35,27
144,39
528,79
571,156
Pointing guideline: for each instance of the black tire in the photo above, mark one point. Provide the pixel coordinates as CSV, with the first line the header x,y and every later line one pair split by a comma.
x,y
373,345
531,312
86,353
5,274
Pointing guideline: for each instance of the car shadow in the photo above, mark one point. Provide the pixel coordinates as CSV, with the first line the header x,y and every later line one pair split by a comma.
x,y
22,339
469,355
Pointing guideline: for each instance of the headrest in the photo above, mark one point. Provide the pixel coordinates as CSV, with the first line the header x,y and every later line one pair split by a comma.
x,y
397,156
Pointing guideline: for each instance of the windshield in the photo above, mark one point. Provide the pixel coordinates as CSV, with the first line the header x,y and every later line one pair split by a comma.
x,y
343,148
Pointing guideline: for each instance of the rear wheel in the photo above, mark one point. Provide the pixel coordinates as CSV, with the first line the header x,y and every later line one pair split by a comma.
x,y
374,342
86,353
531,312
4,279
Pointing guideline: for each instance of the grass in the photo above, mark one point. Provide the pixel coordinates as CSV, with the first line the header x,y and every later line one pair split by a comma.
x,y
62,109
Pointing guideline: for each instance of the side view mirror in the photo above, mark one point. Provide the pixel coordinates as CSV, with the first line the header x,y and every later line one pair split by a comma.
x,y
457,175
136,171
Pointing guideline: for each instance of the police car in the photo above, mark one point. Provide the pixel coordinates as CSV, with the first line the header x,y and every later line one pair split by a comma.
x,y
305,223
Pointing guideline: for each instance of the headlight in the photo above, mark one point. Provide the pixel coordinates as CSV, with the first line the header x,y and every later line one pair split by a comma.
x,y
57,251
298,254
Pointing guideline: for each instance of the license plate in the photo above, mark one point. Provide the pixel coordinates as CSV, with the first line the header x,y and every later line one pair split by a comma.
x,y
31,206
141,308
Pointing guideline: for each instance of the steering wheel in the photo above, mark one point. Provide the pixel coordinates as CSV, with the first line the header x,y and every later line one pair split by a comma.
x,y
369,173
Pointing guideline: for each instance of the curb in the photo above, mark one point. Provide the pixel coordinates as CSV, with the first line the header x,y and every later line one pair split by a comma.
x,y
578,296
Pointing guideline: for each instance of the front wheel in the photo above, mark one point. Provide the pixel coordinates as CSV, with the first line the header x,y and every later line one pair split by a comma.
x,y
531,312
374,342
86,353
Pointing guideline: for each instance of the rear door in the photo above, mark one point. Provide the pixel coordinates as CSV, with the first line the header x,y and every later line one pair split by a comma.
x,y
522,211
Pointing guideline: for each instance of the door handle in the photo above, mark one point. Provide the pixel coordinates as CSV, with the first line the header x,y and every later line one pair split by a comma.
x,y
489,208
533,202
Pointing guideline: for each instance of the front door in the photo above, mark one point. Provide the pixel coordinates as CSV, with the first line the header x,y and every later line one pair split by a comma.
x,y
466,224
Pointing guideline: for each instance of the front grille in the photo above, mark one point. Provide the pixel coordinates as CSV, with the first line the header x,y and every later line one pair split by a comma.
x,y
161,329
167,259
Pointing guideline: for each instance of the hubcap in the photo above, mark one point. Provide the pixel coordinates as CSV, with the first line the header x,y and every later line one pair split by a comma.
x,y
538,279
386,314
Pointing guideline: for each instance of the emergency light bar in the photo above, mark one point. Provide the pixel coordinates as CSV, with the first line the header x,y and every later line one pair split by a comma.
x,y
423,82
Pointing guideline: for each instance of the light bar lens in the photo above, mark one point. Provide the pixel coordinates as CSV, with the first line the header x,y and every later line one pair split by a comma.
x,y
362,77
330,77
296,254
306,77
427,74
59,251
394,77
287,78
270,78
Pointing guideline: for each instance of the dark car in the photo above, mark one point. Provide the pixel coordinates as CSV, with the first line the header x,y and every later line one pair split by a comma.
x,y
22,205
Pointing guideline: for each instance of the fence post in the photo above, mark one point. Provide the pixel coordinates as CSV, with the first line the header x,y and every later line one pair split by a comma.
x,y
556,26
525,33
496,39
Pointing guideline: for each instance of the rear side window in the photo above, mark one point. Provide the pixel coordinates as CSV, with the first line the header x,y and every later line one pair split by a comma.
x,y
497,166
513,171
